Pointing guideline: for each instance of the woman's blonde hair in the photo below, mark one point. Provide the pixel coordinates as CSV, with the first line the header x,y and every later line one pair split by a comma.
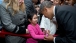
x,y
14,4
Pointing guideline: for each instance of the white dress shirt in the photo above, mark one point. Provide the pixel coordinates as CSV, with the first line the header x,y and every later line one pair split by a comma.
x,y
48,24
54,19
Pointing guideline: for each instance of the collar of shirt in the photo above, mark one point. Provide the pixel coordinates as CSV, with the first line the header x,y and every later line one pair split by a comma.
x,y
54,18
54,10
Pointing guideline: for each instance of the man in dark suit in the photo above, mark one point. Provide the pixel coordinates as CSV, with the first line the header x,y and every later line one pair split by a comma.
x,y
66,19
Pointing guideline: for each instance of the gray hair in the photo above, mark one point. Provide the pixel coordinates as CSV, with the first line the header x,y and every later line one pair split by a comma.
x,y
46,4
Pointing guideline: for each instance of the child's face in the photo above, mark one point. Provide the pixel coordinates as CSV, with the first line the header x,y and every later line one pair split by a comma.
x,y
34,19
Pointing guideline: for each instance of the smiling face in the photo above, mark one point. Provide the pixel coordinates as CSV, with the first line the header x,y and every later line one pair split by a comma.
x,y
46,8
48,12
34,19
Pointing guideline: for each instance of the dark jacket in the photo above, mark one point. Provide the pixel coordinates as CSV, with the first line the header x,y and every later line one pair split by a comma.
x,y
13,23
66,19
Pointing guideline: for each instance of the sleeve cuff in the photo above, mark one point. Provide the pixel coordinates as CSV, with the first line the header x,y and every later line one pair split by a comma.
x,y
54,39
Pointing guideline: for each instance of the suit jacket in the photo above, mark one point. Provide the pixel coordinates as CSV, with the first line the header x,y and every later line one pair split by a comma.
x,y
66,19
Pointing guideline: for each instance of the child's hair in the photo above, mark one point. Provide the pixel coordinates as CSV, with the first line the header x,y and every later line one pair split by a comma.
x,y
30,15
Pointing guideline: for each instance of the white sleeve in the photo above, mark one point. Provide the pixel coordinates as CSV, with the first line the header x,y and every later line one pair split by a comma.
x,y
54,39
42,25
48,25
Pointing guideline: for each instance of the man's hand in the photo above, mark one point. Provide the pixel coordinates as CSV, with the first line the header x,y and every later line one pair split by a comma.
x,y
49,37
46,32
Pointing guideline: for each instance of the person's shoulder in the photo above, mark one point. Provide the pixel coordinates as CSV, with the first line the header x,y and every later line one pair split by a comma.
x,y
66,8
29,25
3,5
61,7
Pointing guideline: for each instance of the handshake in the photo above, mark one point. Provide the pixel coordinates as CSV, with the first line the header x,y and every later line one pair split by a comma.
x,y
46,32
48,36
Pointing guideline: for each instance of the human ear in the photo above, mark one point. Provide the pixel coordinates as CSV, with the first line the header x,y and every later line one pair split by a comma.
x,y
45,9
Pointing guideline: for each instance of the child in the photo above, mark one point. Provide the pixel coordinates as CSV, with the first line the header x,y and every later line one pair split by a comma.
x,y
34,29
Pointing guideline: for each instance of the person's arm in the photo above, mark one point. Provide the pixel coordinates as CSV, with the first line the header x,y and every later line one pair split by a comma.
x,y
35,36
7,22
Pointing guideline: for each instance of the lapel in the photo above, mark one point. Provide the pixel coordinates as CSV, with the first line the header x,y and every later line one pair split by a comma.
x,y
56,10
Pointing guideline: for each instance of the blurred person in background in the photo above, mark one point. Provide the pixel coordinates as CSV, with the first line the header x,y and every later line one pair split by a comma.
x,y
70,2
1,1
13,16
56,2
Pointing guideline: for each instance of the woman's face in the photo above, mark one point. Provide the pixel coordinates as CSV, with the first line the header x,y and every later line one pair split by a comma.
x,y
21,1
